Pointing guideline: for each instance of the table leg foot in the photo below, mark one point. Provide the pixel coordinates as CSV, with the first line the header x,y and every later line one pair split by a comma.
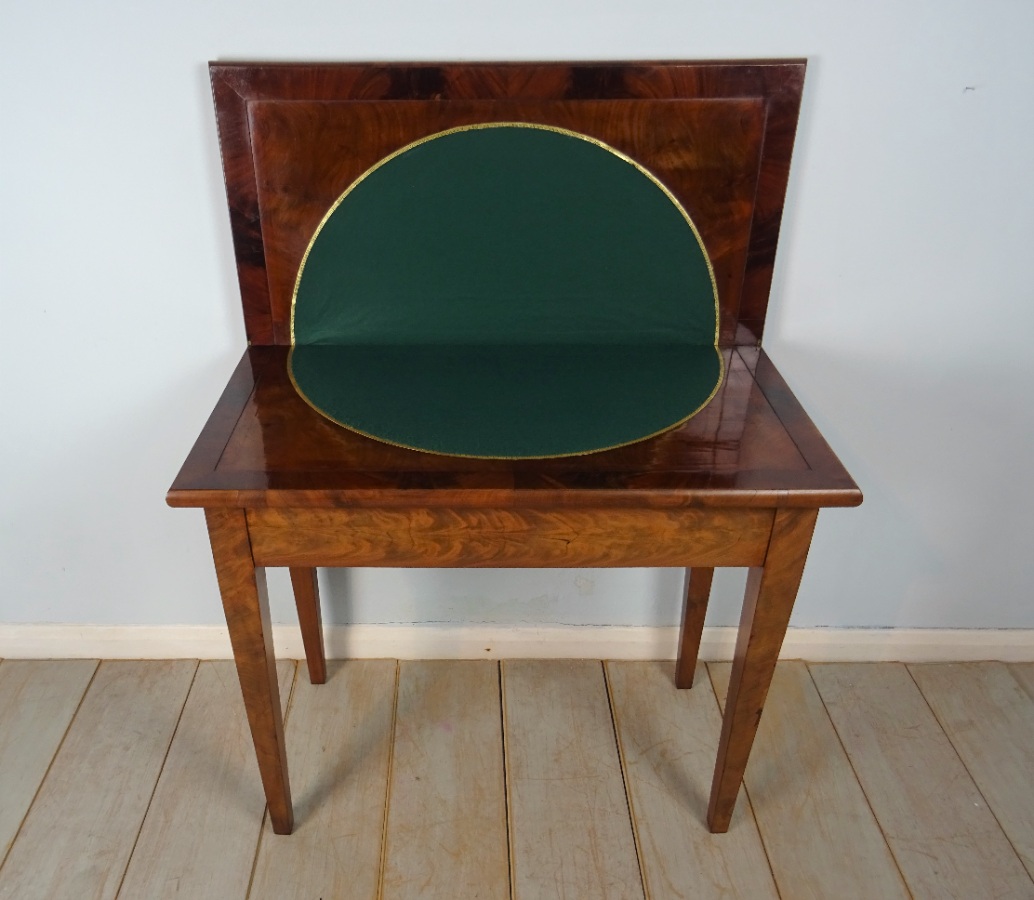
x,y
771,591
243,589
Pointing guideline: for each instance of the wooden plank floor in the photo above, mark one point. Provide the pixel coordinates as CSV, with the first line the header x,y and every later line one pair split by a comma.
x,y
522,779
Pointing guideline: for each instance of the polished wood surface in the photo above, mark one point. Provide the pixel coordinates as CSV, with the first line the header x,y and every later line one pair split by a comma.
x,y
738,484
293,137
752,446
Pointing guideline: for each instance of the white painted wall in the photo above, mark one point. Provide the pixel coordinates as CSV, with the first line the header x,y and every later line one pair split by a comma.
x,y
902,311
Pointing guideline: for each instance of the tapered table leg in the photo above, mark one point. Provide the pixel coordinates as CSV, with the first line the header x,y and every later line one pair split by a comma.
x,y
307,599
694,609
243,589
771,591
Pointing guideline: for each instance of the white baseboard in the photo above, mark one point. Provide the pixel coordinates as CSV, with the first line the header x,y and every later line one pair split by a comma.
x,y
514,641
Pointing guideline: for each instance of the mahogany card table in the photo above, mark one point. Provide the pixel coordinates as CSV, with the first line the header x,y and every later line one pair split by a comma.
x,y
508,315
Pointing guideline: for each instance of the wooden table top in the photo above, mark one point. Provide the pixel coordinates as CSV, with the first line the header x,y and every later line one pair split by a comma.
x,y
753,445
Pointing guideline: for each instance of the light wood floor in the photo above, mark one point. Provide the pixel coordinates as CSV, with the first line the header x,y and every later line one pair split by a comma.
x,y
573,779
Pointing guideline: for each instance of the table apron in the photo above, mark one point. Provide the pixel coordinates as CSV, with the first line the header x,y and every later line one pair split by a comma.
x,y
504,538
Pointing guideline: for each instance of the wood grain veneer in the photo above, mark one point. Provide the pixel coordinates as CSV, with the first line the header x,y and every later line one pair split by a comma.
x,y
507,538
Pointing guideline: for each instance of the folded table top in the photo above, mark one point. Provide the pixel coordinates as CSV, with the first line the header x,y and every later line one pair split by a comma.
x,y
717,136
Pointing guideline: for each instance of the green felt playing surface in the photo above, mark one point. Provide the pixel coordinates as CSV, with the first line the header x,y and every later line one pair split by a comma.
x,y
506,291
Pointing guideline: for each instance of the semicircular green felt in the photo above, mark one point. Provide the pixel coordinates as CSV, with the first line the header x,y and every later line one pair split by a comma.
x,y
506,291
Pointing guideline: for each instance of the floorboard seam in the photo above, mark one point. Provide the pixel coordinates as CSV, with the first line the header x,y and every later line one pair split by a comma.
x,y
624,781
50,765
506,782
1020,681
861,787
944,731
387,787
158,777
258,849
746,793
265,809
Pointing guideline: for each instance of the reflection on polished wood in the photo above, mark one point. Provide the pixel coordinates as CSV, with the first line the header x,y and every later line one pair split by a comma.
x,y
739,484
752,446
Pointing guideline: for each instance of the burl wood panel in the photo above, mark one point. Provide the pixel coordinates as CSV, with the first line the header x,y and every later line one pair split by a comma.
x,y
508,537
415,91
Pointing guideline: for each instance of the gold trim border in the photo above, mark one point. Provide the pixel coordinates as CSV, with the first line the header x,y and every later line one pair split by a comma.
x,y
481,126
